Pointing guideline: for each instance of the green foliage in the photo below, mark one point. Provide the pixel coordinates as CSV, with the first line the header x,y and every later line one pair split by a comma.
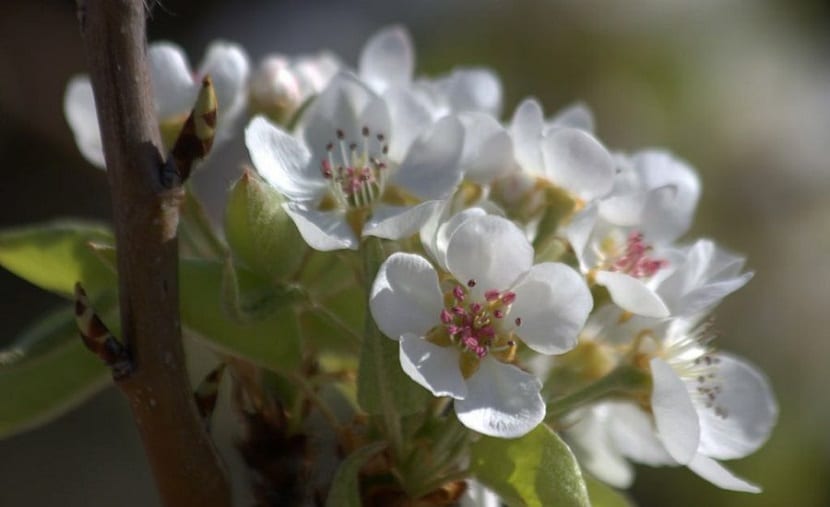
x,y
259,232
55,255
603,495
345,489
46,372
270,341
536,470
381,383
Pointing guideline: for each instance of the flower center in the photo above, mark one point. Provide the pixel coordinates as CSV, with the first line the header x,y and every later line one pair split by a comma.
x,y
480,326
693,356
634,259
356,171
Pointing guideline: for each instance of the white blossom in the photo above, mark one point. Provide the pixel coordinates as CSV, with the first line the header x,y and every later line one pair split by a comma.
x,y
458,338
340,172
175,87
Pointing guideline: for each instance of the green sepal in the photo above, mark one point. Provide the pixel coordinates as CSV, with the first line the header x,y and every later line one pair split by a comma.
x,y
259,231
345,488
272,342
535,470
55,255
258,300
559,205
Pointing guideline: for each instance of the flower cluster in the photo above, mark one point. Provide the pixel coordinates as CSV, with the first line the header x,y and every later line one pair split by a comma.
x,y
531,262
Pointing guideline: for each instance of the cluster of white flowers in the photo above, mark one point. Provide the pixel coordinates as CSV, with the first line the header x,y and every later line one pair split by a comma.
x,y
535,240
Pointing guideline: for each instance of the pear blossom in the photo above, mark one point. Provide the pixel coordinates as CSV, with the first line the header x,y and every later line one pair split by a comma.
x,y
615,238
340,174
280,85
459,337
175,87
560,152
705,406
387,62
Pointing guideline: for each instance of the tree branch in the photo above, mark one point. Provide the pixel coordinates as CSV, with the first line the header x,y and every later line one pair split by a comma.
x,y
184,461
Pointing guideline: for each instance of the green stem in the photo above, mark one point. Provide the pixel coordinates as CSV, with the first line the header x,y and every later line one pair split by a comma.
x,y
373,256
624,379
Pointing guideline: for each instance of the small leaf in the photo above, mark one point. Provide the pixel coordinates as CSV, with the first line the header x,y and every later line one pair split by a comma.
x,y
381,382
603,495
54,256
345,489
271,342
46,372
537,470
259,232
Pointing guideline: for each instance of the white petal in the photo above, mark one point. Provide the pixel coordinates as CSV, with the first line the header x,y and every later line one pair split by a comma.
x,y
228,66
410,118
553,302
595,449
579,232
432,366
526,131
624,210
577,162
634,435
718,475
316,71
387,59
751,411
431,170
674,414
173,84
405,296
79,108
335,109
477,495
282,160
396,222
376,117
658,169
632,295
488,150
576,115
447,229
474,90
502,401
322,230
490,250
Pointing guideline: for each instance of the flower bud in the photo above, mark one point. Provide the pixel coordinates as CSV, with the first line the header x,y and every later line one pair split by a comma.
x,y
261,235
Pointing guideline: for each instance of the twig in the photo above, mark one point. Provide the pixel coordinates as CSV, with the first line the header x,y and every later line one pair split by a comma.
x,y
184,461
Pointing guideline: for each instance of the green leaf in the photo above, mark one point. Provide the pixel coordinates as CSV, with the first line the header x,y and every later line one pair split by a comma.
x,y
46,372
55,255
381,382
259,232
537,469
272,342
345,489
603,495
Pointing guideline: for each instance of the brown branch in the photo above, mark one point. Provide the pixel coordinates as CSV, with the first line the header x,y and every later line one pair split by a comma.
x,y
184,461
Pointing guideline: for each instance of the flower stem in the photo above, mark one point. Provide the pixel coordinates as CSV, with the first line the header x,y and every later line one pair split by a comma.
x,y
624,379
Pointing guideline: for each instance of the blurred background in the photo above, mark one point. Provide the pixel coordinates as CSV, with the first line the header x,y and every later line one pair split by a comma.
x,y
739,88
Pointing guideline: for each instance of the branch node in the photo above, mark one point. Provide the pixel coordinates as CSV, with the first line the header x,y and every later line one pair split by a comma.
x,y
98,338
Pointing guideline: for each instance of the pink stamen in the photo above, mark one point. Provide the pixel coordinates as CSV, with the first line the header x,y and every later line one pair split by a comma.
x,y
491,295
508,297
635,261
